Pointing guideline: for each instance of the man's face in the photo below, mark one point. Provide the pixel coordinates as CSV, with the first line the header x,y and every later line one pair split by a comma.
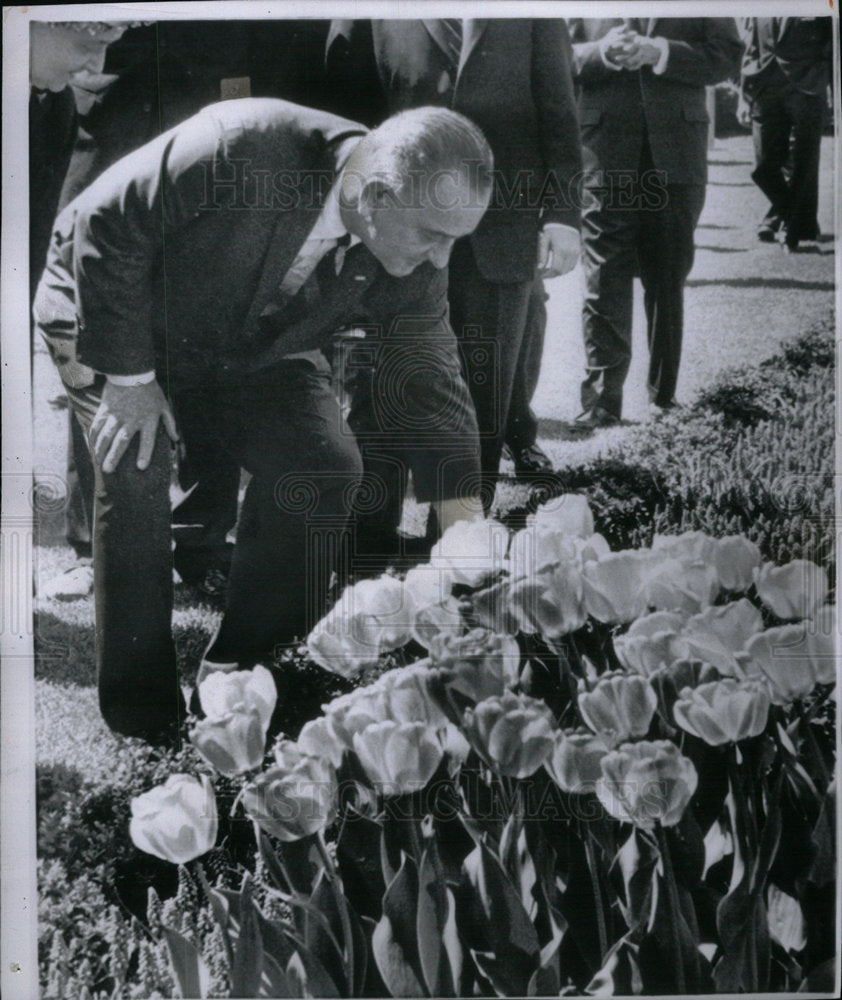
x,y
57,52
422,221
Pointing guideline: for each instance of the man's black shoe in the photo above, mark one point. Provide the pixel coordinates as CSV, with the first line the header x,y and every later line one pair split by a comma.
x,y
595,419
531,461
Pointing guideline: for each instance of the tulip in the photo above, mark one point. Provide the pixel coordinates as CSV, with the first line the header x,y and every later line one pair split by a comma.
x,y
796,590
821,641
406,697
318,739
575,763
725,629
176,821
398,757
490,608
591,549
784,656
444,618
473,551
735,559
647,783
568,514
479,664
351,713
651,642
690,548
538,548
672,585
427,585
514,734
296,797
233,744
619,707
725,711
549,602
371,617
613,585
221,694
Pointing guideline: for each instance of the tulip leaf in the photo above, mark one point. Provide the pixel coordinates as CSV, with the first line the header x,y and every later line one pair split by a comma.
x,y
497,925
820,979
637,861
823,839
274,981
323,935
270,859
357,854
619,974
307,976
395,940
247,969
189,967
436,955
744,936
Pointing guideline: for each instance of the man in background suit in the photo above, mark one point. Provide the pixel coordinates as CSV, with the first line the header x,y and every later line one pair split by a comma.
x,y
784,81
644,128
512,78
281,224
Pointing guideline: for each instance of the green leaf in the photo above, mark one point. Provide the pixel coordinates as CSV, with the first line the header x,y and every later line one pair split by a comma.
x,y
637,862
324,935
497,925
308,977
743,928
188,965
820,979
431,921
247,968
274,982
395,939
823,869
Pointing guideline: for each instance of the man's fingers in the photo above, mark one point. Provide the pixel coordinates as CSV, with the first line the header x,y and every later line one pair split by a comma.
x,y
147,443
102,438
169,423
118,446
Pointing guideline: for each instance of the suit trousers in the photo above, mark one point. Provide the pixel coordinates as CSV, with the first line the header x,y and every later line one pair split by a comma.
x,y
284,427
522,424
787,123
624,237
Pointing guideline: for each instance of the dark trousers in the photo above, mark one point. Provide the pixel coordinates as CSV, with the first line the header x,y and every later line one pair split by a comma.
x,y
787,133
201,521
284,427
621,239
489,319
522,424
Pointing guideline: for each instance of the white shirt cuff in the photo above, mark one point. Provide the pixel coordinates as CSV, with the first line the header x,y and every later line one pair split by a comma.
x,y
560,225
144,378
661,65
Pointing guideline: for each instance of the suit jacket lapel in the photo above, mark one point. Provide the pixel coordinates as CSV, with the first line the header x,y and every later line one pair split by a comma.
x,y
474,28
290,231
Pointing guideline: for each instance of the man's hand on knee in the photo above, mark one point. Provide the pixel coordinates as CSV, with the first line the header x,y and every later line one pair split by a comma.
x,y
123,412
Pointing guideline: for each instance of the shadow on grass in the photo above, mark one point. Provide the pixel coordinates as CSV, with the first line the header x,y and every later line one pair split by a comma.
x,y
64,649
718,249
781,283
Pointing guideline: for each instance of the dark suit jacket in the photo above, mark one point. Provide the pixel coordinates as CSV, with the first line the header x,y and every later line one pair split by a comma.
x,y
173,257
800,47
514,81
619,108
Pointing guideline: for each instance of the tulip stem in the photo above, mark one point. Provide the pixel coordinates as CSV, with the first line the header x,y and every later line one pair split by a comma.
x,y
675,907
596,887
342,906
806,726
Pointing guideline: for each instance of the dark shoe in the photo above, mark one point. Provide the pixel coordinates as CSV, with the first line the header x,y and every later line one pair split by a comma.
x,y
767,231
659,410
531,461
592,420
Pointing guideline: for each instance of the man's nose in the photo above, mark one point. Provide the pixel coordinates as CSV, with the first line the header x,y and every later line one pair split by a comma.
x,y
439,254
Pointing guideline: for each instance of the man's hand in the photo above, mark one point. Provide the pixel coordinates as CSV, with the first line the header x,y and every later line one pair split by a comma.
x,y
123,412
614,44
639,51
743,112
558,250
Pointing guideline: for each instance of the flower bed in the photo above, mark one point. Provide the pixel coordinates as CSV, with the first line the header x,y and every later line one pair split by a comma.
x,y
584,784
669,479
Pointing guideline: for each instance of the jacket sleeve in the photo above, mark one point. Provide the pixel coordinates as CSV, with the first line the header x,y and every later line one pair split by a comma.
x,y
413,401
120,228
709,61
555,103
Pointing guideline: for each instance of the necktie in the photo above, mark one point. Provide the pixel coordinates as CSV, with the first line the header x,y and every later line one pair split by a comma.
x,y
452,30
